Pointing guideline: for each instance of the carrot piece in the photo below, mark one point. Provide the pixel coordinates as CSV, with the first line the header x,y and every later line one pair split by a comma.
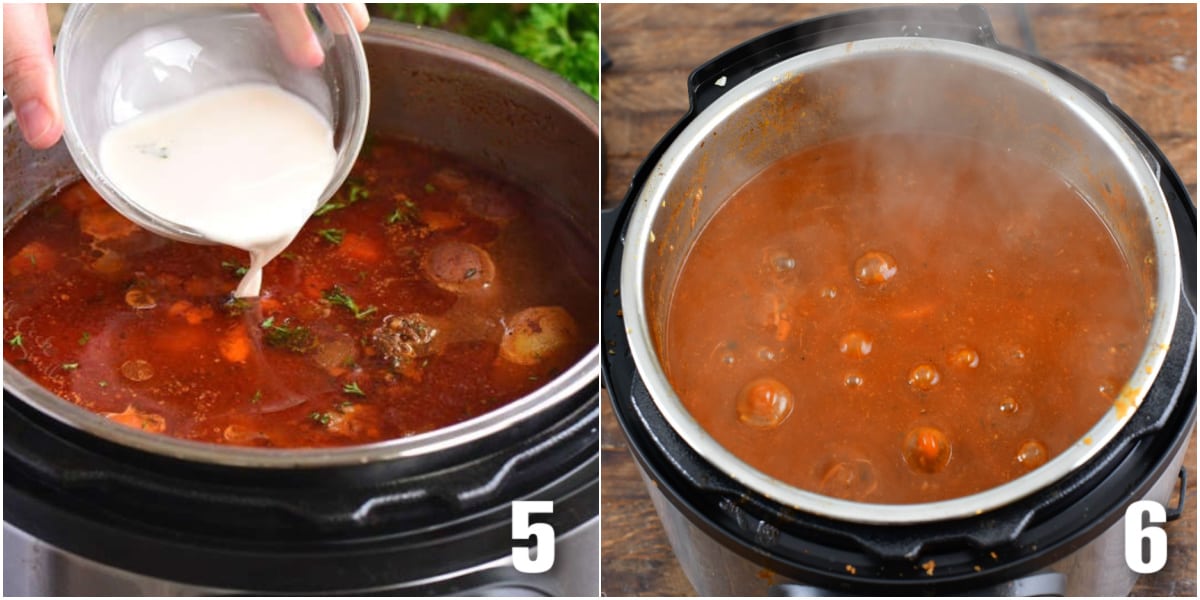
x,y
235,344
178,308
191,313
103,223
359,248
198,314
80,196
437,220
137,419
35,257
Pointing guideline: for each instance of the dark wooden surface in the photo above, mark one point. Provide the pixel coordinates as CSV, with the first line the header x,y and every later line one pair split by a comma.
x,y
1144,56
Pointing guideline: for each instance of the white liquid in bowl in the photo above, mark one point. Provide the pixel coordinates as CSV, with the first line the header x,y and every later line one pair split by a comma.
x,y
243,166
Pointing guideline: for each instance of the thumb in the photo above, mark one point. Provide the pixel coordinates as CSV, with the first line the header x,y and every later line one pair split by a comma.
x,y
29,74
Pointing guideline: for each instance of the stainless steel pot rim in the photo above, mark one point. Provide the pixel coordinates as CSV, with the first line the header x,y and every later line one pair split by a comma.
x,y
577,378
639,237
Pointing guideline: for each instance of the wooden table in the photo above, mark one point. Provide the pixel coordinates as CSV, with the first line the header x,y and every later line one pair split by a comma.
x,y
1144,56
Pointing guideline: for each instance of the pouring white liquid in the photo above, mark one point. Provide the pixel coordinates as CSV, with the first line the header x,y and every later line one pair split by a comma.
x,y
243,166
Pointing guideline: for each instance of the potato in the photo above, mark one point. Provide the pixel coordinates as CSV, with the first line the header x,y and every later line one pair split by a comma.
x,y
536,334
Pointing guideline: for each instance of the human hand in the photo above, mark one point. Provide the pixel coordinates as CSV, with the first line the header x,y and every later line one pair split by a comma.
x,y
296,36
29,74
29,77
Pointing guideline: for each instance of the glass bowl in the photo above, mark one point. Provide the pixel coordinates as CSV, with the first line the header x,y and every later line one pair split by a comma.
x,y
116,61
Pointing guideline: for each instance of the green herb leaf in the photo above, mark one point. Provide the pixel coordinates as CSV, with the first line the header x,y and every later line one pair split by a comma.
x,y
17,341
358,192
328,207
342,406
406,213
323,418
236,268
256,397
352,388
337,297
429,189
296,338
333,236
83,339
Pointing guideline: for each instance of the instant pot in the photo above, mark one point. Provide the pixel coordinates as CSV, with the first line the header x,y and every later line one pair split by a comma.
x,y
94,508
1056,531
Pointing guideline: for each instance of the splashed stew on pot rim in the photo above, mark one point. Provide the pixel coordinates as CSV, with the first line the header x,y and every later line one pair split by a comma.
x,y
426,292
902,318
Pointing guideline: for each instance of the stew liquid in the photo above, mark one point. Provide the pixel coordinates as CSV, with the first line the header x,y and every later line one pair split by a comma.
x,y
902,318
426,292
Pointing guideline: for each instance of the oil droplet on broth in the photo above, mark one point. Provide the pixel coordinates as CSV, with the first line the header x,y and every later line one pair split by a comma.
x,y
852,381
927,450
856,344
965,358
1009,406
764,403
1032,454
849,479
924,377
875,268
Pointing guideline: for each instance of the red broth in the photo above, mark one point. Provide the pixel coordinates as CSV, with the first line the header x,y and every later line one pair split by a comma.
x,y
425,293
902,318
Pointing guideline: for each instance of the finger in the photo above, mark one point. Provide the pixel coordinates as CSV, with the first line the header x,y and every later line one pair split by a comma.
x,y
296,36
358,14
29,74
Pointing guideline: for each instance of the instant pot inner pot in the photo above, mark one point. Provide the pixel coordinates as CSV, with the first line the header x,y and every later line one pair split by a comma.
x,y
895,85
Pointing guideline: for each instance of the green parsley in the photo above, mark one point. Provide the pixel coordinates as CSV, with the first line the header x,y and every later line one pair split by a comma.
x,y
70,366
297,339
333,236
236,268
323,418
344,406
407,212
256,397
429,189
83,339
337,297
17,341
328,207
358,192
352,388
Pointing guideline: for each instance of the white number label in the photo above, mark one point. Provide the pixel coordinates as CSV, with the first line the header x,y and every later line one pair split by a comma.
x,y
1145,545
540,557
